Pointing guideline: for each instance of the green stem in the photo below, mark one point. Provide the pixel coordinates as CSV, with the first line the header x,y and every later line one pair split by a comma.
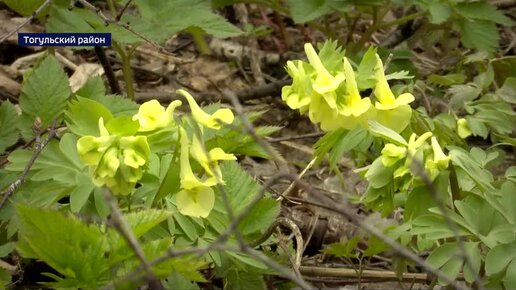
x,y
401,20
126,69
200,40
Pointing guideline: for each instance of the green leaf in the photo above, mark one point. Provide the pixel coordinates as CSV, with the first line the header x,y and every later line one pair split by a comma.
x,y
388,134
365,71
83,116
479,34
8,125
347,143
379,175
508,91
45,92
94,89
439,12
240,190
26,7
499,257
462,159
446,80
72,248
343,249
308,10
483,11
142,221
162,18
237,278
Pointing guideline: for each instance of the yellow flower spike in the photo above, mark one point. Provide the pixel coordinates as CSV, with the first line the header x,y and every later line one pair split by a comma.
x,y
196,202
325,84
463,128
396,119
151,115
108,165
385,98
440,159
392,153
211,121
415,144
354,104
297,95
188,179
210,164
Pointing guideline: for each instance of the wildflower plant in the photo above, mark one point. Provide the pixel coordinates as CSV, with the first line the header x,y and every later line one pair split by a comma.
x,y
411,162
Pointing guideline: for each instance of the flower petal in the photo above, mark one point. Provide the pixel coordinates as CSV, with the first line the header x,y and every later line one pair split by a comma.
x,y
196,202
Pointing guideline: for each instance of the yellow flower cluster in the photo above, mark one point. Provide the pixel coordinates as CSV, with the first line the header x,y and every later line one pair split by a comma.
x,y
117,158
332,99
434,161
115,161
197,197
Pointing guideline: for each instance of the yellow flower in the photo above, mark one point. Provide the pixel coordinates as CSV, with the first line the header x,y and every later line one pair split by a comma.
x,y
392,112
151,115
196,202
116,162
353,105
385,97
211,121
297,95
416,144
210,164
392,153
196,197
325,83
463,128
188,178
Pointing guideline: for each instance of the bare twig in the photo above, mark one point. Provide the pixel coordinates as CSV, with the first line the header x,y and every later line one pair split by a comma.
x,y
38,148
367,274
117,220
29,19
122,11
108,69
296,137
249,127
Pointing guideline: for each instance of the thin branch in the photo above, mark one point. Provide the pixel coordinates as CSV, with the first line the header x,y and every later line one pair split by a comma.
x,y
29,19
117,220
296,137
121,13
38,148
108,69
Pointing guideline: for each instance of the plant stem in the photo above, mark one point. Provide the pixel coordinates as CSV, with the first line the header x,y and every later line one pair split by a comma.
x,y
401,20
126,69
199,40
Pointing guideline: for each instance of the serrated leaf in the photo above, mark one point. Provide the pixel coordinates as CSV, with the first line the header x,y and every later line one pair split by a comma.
x,y
162,18
8,125
308,10
240,190
484,11
45,92
72,248
479,34
83,116
365,70
142,221
508,91
439,12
